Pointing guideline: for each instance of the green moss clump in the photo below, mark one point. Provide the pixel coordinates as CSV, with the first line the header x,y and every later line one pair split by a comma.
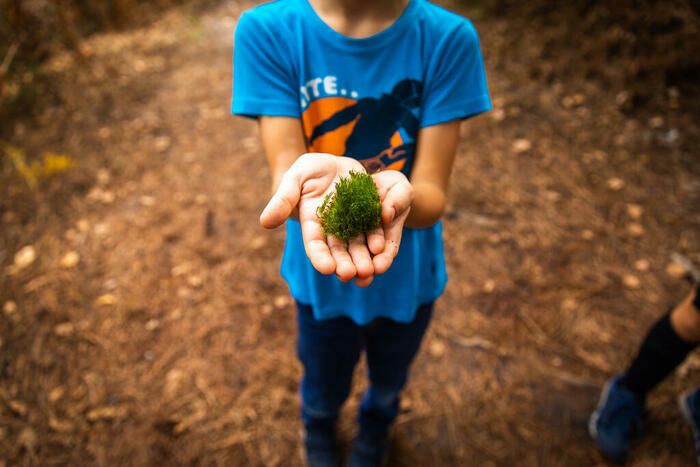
x,y
354,208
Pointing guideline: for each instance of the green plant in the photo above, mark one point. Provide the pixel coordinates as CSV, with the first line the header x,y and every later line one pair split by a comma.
x,y
354,208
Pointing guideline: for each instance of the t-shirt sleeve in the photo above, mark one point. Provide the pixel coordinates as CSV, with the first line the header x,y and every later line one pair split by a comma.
x,y
455,82
263,78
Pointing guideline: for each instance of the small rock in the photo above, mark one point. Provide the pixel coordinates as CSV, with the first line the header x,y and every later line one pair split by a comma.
x,y
521,146
498,115
437,348
70,259
281,301
630,281
258,242
149,355
100,229
676,270
616,184
83,225
25,257
195,281
103,177
489,286
9,308
635,211
642,265
106,299
161,143
656,122
147,201
152,325
64,329
266,309
181,269
201,199
587,234
635,229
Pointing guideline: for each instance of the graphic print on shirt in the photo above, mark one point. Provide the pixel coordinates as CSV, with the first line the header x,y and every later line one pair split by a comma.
x,y
378,131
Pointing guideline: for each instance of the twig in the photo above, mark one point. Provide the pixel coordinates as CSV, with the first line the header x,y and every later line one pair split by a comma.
x,y
9,57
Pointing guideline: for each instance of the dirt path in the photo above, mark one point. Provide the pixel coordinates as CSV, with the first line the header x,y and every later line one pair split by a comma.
x,y
171,342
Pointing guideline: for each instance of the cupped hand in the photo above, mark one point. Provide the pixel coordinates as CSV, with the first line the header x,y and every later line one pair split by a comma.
x,y
306,184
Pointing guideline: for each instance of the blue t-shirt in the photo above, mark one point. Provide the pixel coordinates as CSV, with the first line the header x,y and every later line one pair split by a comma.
x,y
363,98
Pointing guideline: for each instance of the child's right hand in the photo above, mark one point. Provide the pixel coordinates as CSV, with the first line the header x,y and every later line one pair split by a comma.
x,y
305,186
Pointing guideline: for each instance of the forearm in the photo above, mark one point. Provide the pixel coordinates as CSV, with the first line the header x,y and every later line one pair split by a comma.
x,y
428,205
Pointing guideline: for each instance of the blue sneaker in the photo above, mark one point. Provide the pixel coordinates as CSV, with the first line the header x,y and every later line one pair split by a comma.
x,y
370,450
690,408
617,420
321,448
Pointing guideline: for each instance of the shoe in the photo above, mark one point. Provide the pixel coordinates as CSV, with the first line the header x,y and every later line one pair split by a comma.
x,y
321,448
370,450
617,420
690,408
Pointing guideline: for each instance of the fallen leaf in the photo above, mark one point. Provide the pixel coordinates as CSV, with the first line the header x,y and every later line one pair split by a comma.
x,y
616,184
281,301
64,329
9,308
635,229
195,281
18,407
437,348
258,242
60,425
147,201
635,211
24,257
676,270
630,281
106,299
70,259
642,265
106,413
27,439
521,145
56,393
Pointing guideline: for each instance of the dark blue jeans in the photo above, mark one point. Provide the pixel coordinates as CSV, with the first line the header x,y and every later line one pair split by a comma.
x,y
329,350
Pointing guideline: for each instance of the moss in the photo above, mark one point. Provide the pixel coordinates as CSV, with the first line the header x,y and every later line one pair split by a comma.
x,y
354,208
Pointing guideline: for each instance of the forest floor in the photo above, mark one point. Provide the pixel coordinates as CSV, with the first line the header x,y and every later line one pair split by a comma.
x,y
144,321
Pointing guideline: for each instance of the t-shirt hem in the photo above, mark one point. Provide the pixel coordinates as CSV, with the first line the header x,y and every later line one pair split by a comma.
x,y
459,111
253,108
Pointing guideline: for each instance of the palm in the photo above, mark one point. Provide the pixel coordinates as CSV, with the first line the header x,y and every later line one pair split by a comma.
x,y
306,184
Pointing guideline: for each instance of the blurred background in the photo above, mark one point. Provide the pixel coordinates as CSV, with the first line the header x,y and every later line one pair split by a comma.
x,y
143,318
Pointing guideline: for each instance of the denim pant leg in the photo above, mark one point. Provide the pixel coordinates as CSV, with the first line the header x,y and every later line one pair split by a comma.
x,y
391,348
329,350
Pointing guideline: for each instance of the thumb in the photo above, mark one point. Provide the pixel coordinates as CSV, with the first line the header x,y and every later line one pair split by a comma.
x,y
285,199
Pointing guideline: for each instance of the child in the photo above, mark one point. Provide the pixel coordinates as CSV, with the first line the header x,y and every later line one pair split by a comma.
x,y
620,413
340,85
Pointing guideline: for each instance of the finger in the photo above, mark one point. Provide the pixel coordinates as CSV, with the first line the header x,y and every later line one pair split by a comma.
x,y
375,240
344,269
364,281
283,201
360,256
316,247
392,240
397,200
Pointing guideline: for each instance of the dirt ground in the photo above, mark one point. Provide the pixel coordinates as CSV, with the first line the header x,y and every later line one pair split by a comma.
x,y
151,326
